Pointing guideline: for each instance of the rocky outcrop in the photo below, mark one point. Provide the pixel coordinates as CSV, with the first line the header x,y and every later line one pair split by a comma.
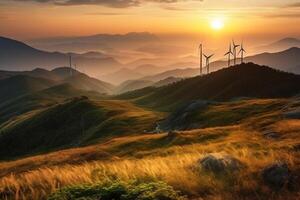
x,y
218,163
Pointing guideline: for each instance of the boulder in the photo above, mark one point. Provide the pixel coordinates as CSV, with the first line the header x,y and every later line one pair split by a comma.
x,y
271,135
182,118
217,163
276,175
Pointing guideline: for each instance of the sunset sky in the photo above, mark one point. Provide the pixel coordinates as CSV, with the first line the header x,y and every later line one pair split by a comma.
x,y
27,19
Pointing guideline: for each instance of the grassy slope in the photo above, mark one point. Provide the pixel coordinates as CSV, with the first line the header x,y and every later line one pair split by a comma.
x,y
71,123
40,100
172,158
226,113
16,86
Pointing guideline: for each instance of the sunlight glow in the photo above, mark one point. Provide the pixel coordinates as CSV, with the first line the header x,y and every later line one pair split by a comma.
x,y
217,24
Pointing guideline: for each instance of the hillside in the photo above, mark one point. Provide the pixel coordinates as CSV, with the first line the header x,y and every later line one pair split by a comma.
x,y
37,72
255,137
29,58
72,123
84,82
20,85
40,100
245,80
121,75
63,75
178,73
131,85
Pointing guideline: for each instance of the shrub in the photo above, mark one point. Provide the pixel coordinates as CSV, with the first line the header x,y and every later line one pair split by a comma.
x,y
118,190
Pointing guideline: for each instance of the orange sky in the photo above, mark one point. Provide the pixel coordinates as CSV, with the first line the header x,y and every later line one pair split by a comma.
x,y
30,19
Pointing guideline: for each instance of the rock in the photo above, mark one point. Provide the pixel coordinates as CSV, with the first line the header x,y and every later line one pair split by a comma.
x,y
219,164
271,135
276,175
295,114
182,118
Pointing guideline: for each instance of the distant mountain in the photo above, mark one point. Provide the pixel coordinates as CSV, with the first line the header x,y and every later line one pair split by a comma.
x,y
19,85
14,84
284,60
37,72
245,80
102,42
131,85
163,49
166,81
179,73
121,75
30,58
280,45
149,69
287,60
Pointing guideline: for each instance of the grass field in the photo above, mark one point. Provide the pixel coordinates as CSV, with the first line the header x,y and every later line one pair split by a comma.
x,y
174,157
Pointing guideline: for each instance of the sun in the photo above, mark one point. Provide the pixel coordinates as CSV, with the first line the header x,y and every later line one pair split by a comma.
x,y
217,24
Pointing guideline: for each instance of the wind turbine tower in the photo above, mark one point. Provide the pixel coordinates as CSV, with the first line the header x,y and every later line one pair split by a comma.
x,y
234,51
242,51
207,61
228,54
200,58
70,64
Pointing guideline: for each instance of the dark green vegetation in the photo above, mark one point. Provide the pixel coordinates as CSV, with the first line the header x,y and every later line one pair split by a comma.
x,y
41,99
119,190
245,80
19,85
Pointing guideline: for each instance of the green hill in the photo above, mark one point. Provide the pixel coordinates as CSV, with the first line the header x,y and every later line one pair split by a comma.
x,y
245,80
20,85
84,82
72,123
40,99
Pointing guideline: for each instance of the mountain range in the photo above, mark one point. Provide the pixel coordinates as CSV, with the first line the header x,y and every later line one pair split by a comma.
x,y
280,45
15,84
30,58
98,42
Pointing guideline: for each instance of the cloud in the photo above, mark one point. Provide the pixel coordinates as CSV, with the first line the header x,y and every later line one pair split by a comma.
x,y
108,13
293,5
176,8
287,15
107,3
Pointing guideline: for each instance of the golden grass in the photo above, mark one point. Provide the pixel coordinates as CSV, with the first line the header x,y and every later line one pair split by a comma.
x,y
176,165
173,159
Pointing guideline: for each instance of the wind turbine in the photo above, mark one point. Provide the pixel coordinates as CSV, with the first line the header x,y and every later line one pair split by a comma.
x,y
242,51
200,57
207,61
228,54
70,64
234,51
